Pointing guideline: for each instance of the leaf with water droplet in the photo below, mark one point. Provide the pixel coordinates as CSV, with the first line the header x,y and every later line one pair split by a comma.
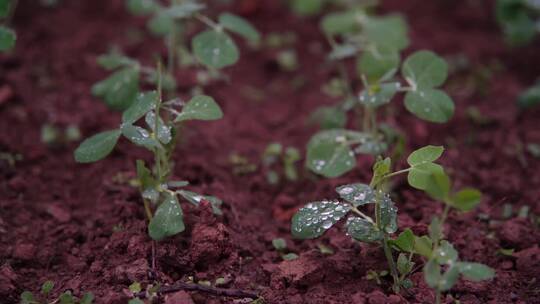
x,y
139,136
164,132
196,198
476,272
466,199
119,89
312,220
424,69
430,104
142,7
200,107
357,194
389,31
97,147
388,221
380,169
379,94
240,26
7,38
215,49
445,253
143,103
168,219
363,230
378,62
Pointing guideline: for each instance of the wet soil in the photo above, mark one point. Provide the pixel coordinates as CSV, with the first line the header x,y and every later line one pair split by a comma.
x,y
83,226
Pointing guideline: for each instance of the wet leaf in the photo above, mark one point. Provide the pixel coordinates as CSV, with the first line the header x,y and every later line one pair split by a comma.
x,y
405,241
449,278
312,220
363,230
466,199
161,24
200,107
357,194
388,31
120,89
139,136
97,147
7,38
215,49
445,253
196,198
403,264
183,10
168,219
343,51
424,69
379,94
388,221
475,271
143,103
432,273
430,104
239,26
164,132
378,62
142,7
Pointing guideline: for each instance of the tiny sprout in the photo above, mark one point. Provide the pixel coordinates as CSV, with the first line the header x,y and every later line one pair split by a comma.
x,y
281,246
67,297
275,155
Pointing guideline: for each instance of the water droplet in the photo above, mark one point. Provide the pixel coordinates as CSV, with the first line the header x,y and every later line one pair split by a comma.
x,y
327,224
346,190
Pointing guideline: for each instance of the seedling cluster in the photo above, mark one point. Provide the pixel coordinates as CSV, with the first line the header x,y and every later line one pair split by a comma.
x,y
275,155
44,296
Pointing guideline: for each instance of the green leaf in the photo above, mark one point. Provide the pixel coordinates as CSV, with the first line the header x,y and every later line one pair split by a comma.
x,y
329,117
434,229
423,246
200,107
88,298
312,220
7,38
239,26
142,7
114,60
380,169
184,10
388,221
343,51
403,265
147,182
144,103
379,94
424,69
421,176
289,256
4,8
139,136
372,146
340,22
164,132
432,274
306,7
466,199
363,230
97,147
168,219
529,98
66,298
215,49
445,254
476,272
161,24
196,198
405,241
27,298
520,30
389,31
438,186
378,62
47,287
424,155
357,194
329,154
279,244
120,89
430,104
449,278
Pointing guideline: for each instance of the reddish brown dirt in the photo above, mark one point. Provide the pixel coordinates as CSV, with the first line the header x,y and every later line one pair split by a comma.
x,y
81,227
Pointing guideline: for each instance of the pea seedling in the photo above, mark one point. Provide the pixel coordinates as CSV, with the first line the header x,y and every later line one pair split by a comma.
x,y
312,220
158,137
377,42
280,245
67,297
7,35
519,20
214,48
273,154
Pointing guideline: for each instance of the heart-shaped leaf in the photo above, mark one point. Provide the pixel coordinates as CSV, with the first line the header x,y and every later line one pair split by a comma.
x,y
239,26
200,107
430,104
312,220
378,62
97,147
215,49
466,199
363,230
120,89
424,155
357,194
424,69
143,103
423,246
389,31
168,219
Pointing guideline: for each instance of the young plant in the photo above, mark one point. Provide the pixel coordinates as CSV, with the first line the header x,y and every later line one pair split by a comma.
x,y
67,297
519,20
530,98
214,48
312,220
280,245
7,35
158,190
376,42
273,155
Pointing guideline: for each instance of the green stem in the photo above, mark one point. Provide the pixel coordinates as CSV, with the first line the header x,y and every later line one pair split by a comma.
x,y
391,264
437,297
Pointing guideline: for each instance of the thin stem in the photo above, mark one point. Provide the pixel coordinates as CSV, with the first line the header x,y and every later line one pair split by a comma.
x,y
397,173
367,218
157,153
147,209
437,297
391,263
208,22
